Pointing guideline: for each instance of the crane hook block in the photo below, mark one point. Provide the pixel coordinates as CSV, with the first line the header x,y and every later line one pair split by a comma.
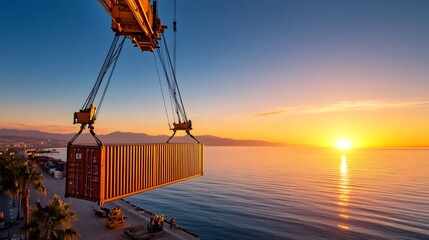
x,y
85,116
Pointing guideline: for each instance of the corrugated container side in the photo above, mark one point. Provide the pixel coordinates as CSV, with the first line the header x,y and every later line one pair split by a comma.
x,y
110,172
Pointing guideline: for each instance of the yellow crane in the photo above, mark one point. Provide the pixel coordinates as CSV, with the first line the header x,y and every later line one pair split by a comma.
x,y
137,20
105,173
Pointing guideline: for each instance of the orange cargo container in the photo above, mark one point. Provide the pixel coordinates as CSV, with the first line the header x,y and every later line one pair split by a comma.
x,y
109,172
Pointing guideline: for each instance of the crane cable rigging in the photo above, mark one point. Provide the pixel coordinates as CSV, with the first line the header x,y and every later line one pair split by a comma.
x,y
88,113
113,59
175,97
173,87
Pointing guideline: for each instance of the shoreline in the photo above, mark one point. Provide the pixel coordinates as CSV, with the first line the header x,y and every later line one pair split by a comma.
x,y
139,209
91,226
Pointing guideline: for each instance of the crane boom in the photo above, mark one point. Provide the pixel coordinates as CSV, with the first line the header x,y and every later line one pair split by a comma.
x,y
137,20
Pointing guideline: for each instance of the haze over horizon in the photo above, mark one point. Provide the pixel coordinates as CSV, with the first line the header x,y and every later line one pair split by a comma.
x,y
300,72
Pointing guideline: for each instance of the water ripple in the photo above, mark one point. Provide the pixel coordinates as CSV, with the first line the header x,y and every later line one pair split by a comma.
x,y
285,193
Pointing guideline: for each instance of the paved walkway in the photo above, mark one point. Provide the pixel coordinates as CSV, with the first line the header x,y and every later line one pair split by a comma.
x,y
92,227
9,226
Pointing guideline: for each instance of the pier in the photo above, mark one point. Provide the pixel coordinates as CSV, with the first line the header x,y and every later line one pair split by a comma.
x,y
91,226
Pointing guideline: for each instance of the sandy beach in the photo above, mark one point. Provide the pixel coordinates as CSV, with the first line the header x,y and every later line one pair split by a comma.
x,y
91,226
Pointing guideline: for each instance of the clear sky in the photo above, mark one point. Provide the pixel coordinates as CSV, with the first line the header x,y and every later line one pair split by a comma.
x,y
303,72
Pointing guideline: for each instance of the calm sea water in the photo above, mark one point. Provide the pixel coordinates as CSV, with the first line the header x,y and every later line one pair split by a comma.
x,y
297,193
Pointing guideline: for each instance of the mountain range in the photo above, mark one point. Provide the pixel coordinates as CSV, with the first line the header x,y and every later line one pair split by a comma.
x,y
131,138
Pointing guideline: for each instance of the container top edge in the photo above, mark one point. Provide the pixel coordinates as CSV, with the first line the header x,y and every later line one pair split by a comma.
x,y
131,144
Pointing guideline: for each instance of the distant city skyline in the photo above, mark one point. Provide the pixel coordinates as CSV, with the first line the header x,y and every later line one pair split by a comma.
x,y
300,72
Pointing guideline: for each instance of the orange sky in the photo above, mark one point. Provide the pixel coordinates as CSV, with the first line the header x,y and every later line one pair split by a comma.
x,y
365,124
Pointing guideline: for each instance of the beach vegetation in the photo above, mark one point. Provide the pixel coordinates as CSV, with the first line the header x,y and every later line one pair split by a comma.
x,y
16,178
52,222
9,166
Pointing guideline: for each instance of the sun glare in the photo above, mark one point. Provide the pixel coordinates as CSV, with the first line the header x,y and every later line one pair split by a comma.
x,y
343,144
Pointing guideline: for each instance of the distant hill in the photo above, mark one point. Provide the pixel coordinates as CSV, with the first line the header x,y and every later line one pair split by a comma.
x,y
33,134
130,138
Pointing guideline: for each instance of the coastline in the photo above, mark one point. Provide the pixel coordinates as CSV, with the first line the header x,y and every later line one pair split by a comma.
x,y
92,227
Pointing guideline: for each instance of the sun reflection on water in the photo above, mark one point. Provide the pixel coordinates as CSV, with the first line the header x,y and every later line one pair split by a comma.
x,y
343,197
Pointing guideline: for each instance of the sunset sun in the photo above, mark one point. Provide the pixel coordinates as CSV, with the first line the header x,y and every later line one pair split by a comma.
x,y
343,144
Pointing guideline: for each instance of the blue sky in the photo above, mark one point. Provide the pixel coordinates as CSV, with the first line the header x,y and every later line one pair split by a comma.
x,y
237,59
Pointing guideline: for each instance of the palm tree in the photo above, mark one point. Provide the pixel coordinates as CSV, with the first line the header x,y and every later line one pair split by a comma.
x,y
9,173
29,175
17,176
52,222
